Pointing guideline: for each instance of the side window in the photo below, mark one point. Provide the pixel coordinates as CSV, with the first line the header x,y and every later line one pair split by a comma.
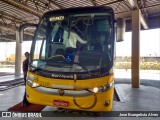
x,y
40,38
37,49
43,52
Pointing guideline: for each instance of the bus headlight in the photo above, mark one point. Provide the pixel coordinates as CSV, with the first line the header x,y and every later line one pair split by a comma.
x,y
102,88
35,84
32,84
95,90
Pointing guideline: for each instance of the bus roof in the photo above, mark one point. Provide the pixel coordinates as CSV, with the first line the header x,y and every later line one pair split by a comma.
x,y
78,10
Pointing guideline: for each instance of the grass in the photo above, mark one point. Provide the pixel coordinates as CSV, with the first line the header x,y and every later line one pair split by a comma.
x,y
143,65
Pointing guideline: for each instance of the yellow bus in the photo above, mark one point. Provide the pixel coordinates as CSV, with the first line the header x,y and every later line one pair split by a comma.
x,y
71,61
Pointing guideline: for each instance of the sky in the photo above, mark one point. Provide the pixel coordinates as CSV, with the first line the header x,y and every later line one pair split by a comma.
x,y
149,45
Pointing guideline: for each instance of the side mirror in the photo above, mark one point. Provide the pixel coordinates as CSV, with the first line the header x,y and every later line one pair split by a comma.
x,y
121,25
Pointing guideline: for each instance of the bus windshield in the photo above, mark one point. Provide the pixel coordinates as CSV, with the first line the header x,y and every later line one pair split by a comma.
x,y
74,43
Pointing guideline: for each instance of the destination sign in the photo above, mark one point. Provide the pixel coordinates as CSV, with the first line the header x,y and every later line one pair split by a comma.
x,y
56,18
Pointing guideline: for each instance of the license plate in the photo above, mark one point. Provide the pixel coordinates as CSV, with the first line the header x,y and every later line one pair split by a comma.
x,y
61,103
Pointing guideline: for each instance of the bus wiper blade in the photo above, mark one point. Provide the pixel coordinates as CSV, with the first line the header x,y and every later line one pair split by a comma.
x,y
38,68
77,63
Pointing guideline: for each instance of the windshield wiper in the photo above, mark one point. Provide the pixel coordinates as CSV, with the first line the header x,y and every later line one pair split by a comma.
x,y
77,63
38,68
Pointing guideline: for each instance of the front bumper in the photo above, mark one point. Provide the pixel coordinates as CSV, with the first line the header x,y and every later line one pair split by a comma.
x,y
85,101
